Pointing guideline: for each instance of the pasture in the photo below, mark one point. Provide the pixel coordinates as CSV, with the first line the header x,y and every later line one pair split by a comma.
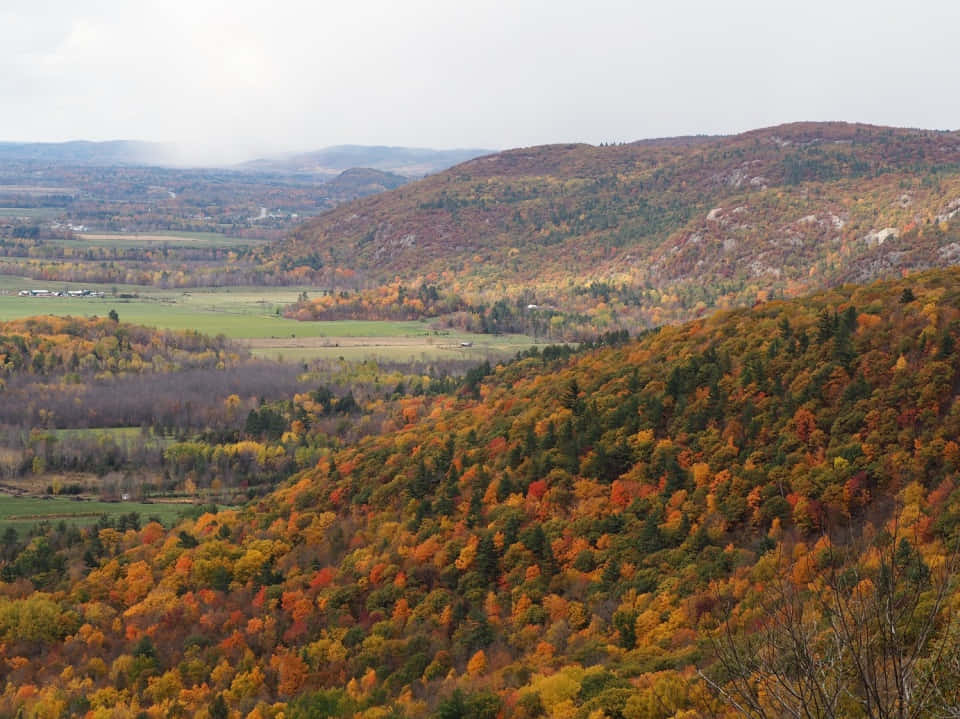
x,y
123,436
253,315
426,346
23,513
28,212
155,240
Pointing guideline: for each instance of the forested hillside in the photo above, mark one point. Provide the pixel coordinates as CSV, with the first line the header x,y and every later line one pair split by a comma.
x,y
637,234
592,535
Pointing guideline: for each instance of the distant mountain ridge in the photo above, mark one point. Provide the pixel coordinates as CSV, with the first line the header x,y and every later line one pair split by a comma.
x,y
85,152
407,161
325,162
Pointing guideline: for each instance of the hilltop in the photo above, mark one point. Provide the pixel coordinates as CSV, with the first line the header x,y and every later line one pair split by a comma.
x,y
642,233
566,535
360,182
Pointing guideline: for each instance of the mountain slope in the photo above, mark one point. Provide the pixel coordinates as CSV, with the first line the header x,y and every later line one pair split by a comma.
x,y
662,229
560,539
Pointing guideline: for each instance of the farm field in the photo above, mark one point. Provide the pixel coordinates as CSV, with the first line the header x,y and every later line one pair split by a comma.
x,y
127,240
31,212
251,314
120,435
22,513
233,312
425,345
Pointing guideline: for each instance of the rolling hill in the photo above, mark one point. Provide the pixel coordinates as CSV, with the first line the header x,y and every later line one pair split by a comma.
x,y
329,161
647,232
584,536
406,161
360,182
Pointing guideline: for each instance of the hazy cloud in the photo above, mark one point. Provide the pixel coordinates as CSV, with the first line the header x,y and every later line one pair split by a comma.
x,y
242,77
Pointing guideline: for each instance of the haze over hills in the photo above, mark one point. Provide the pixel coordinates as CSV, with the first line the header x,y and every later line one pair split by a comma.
x,y
662,229
325,162
84,152
136,186
406,161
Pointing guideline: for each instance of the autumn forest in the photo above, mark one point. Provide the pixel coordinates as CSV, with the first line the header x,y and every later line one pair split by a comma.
x,y
719,477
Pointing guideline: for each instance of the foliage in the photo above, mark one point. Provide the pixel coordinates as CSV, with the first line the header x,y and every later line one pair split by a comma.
x,y
562,536
637,234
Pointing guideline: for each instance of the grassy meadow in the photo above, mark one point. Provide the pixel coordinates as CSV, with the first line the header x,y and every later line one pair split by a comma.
x,y
121,240
31,212
253,315
119,435
22,513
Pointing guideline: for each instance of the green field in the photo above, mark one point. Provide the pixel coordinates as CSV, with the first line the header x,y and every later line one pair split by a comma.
x,y
424,347
22,513
120,435
234,312
32,212
252,313
373,352
117,433
126,240
174,234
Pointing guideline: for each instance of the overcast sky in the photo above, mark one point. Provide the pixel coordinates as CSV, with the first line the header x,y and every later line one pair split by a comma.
x,y
248,77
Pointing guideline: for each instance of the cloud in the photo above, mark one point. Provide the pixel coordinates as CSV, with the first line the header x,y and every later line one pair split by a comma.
x,y
249,76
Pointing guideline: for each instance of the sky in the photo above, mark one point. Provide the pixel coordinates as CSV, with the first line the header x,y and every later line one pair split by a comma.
x,y
232,80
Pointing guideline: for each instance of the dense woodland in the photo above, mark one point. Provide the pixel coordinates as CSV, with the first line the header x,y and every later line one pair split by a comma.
x,y
673,526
